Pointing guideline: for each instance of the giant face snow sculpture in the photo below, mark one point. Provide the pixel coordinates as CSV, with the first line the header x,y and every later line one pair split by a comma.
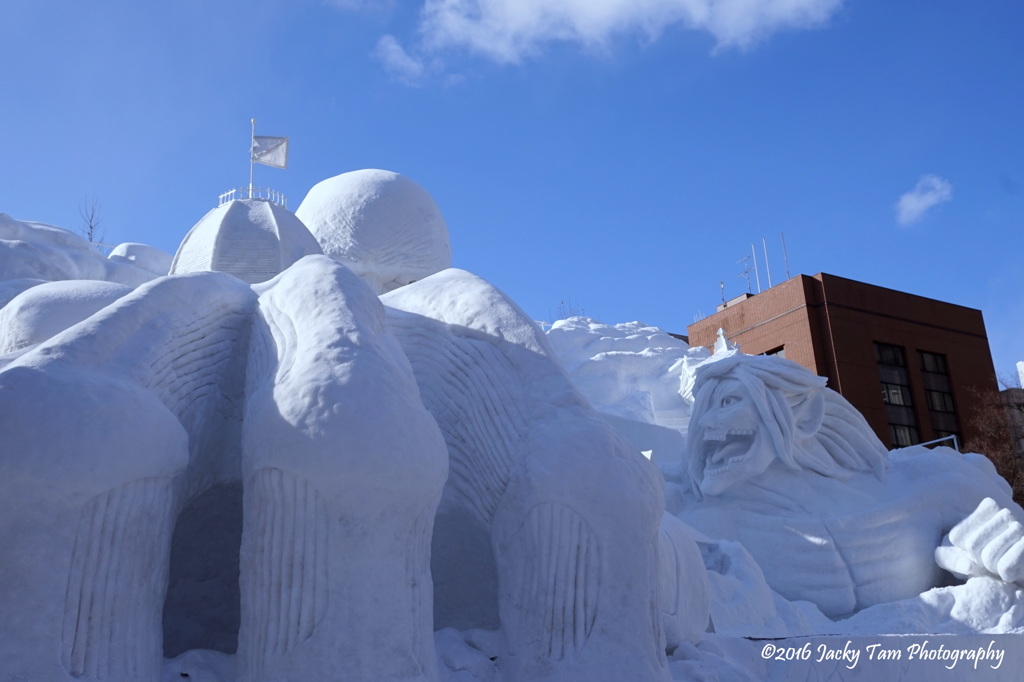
x,y
733,445
791,470
749,415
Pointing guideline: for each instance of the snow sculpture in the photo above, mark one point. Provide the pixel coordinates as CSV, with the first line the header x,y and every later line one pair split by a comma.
x,y
10,289
37,251
104,430
383,226
989,542
149,258
538,481
42,311
45,252
788,468
684,592
341,464
630,373
253,239
343,469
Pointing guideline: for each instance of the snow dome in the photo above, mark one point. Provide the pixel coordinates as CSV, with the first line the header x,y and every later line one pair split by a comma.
x,y
252,239
382,225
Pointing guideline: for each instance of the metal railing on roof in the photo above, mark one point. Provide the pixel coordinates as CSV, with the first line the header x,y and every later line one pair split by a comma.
x,y
956,443
264,193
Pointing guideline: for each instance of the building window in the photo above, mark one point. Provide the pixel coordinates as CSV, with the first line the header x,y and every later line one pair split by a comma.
x,y
779,352
933,362
897,396
940,401
894,394
939,391
886,354
903,436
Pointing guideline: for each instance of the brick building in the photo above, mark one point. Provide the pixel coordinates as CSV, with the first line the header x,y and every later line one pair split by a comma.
x,y
913,366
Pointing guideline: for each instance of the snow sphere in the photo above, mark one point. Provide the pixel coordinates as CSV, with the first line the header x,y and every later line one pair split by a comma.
x,y
382,225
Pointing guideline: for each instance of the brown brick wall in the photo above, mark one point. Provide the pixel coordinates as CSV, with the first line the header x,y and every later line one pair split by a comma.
x,y
830,324
780,316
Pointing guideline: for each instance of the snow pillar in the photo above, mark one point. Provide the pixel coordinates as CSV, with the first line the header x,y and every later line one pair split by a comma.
x,y
342,472
91,473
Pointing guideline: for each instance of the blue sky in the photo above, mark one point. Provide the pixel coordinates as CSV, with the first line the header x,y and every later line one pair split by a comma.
x,y
621,155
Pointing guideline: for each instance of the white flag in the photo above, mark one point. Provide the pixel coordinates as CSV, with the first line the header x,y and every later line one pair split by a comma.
x,y
270,151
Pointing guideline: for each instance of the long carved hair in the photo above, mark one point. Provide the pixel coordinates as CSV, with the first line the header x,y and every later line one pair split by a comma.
x,y
810,426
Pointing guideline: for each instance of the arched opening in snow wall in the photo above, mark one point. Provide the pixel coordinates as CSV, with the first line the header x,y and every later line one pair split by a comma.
x,y
201,610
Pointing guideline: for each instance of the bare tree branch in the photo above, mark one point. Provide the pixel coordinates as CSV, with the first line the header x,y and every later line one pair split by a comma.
x,y
996,437
90,214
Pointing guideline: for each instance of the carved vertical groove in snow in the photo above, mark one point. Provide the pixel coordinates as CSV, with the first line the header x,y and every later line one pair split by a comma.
x,y
657,626
670,578
477,398
559,581
418,565
287,592
111,629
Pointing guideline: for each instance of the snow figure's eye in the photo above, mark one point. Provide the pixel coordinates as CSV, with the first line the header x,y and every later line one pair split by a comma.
x,y
184,674
730,400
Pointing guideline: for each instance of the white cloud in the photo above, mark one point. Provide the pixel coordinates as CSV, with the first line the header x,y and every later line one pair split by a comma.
x,y
509,30
399,63
930,191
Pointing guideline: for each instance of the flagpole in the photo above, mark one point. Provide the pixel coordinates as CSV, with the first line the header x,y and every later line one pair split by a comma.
x,y
252,148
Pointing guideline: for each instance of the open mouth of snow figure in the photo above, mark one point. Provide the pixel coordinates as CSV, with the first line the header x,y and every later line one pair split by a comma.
x,y
724,450
729,444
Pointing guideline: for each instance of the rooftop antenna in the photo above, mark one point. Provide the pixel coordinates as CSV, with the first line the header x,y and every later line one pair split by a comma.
x,y
785,257
722,285
745,260
764,245
745,273
757,275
